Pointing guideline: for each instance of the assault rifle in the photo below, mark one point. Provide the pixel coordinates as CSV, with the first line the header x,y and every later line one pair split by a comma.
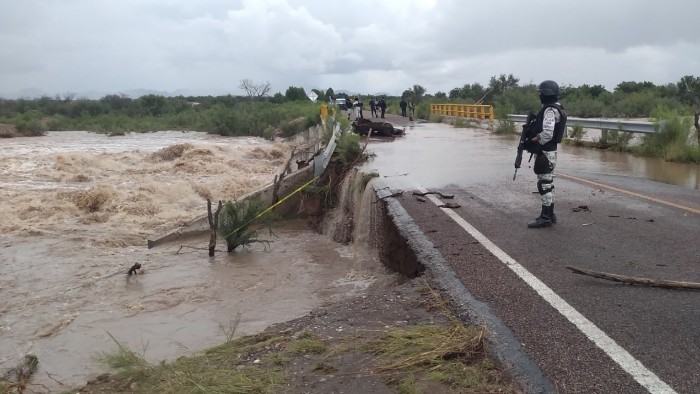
x,y
525,136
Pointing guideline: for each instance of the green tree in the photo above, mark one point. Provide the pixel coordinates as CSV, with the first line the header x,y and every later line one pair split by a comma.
x,y
116,102
633,87
502,83
152,104
295,94
418,92
689,93
278,98
330,94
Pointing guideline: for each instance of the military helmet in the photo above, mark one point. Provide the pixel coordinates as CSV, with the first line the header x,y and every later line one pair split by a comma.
x,y
548,88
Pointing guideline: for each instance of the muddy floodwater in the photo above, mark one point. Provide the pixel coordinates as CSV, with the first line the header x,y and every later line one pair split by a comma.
x,y
76,211
435,154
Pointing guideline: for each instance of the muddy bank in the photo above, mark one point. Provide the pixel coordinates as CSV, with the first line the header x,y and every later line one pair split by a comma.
x,y
348,346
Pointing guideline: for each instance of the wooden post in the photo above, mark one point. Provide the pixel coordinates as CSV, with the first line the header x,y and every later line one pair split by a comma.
x,y
213,225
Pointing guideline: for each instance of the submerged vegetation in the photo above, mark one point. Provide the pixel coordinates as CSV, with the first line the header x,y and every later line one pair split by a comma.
x,y
241,221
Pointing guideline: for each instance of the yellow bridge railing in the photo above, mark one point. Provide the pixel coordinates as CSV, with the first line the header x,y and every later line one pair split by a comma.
x,y
471,111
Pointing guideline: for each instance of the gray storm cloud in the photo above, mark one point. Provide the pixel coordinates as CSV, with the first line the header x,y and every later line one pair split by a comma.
x,y
207,47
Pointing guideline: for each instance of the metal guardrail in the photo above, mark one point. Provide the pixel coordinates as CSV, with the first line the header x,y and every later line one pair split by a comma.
x,y
603,124
471,111
325,156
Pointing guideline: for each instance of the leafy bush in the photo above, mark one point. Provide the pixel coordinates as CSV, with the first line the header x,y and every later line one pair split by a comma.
x,y
619,140
505,127
239,222
671,139
29,123
577,132
348,148
437,118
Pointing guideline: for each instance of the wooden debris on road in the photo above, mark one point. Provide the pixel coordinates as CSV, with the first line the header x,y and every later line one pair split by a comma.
x,y
445,196
449,205
669,284
421,199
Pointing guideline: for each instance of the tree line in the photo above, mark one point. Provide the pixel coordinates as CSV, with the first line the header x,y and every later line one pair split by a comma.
x,y
627,100
281,114
259,113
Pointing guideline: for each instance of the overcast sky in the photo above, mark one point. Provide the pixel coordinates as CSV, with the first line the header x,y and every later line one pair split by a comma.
x,y
366,46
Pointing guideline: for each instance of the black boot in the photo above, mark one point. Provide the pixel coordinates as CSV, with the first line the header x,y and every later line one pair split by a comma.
x,y
544,220
551,213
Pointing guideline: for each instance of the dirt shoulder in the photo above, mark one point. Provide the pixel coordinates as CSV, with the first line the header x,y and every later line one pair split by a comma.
x,y
398,340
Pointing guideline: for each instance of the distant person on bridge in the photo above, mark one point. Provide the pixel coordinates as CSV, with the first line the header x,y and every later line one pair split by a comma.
x,y
373,107
357,108
403,104
549,126
382,105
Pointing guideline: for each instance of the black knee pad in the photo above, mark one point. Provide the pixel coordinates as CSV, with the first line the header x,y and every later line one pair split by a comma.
x,y
541,189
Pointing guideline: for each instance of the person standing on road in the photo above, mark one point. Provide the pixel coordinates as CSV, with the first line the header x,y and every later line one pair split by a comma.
x,y
549,127
373,107
403,104
382,106
411,109
356,108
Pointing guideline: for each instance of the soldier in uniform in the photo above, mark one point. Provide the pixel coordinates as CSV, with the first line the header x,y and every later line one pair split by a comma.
x,y
549,128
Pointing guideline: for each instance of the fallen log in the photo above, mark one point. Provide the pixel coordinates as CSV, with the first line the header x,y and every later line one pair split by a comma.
x,y
446,196
669,284
449,205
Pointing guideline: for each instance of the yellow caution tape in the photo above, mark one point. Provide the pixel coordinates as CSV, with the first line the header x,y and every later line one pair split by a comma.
x,y
300,188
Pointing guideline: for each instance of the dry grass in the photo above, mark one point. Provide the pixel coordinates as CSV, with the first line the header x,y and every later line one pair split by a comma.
x,y
454,355
228,368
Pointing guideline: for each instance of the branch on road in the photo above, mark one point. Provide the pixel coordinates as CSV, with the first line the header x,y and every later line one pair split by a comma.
x,y
447,196
669,284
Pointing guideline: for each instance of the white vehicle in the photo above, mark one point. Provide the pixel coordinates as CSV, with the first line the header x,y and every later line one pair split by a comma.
x,y
341,103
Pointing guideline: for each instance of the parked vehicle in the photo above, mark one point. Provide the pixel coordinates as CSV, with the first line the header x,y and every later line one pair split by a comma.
x,y
340,102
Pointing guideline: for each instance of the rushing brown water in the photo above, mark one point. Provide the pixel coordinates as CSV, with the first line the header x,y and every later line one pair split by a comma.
x,y
76,211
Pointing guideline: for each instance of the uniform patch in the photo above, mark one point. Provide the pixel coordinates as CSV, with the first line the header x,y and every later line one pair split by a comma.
x,y
549,119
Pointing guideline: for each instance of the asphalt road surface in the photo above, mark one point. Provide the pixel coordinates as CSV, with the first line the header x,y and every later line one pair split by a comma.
x,y
587,335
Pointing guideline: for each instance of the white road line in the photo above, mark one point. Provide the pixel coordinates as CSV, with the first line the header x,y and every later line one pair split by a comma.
x,y
634,367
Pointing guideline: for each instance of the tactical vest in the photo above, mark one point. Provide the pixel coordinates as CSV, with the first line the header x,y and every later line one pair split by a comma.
x,y
559,127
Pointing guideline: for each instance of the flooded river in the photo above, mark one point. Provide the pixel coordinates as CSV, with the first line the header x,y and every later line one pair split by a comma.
x,y
76,211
